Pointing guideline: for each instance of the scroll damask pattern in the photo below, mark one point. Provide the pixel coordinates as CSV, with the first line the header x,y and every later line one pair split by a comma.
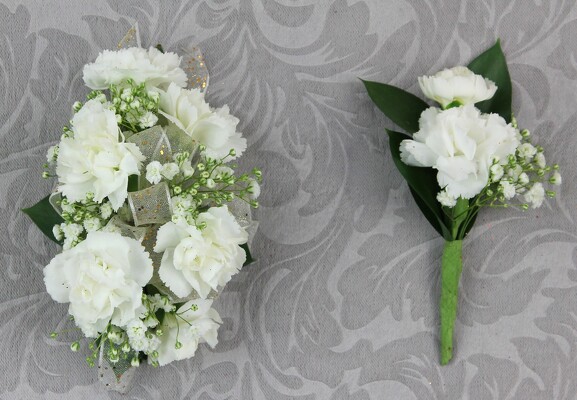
x,y
341,304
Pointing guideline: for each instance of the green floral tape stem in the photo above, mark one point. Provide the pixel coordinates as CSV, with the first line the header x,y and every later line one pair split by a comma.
x,y
452,264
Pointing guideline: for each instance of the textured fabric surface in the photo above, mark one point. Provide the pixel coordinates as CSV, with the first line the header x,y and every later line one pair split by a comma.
x,y
343,301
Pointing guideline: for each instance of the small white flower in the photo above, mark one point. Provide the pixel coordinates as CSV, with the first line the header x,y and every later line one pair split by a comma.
x,y
92,224
169,170
446,199
71,231
253,188
148,120
150,321
210,183
508,189
52,154
556,178
523,179
458,84
153,174
497,172
540,160
66,207
105,210
535,195
187,170
515,172
57,232
116,336
527,151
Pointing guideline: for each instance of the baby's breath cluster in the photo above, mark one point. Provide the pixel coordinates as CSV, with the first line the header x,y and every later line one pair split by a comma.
x,y
521,180
80,218
210,182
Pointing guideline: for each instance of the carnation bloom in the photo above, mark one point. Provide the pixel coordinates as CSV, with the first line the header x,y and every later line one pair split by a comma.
x,y
461,143
458,84
201,260
180,339
152,67
94,161
215,129
102,279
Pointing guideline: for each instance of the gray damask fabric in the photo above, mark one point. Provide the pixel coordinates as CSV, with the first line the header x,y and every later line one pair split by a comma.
x,y
342,303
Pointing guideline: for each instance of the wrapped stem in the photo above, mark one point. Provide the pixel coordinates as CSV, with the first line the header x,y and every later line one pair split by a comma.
x,y
452,263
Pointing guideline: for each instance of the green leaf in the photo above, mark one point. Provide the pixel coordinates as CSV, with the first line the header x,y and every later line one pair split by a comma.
x,y
423,184
249,259
44,216
492,65
403,108
133,183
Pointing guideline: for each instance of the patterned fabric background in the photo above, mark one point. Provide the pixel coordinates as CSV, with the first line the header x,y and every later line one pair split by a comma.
x,y
343,301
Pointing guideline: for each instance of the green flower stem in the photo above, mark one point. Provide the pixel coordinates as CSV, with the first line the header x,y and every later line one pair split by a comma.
x,y
452,263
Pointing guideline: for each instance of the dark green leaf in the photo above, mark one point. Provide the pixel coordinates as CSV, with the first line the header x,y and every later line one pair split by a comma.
x,y
133,183
249,259
403,108
423,184
45,217
492,65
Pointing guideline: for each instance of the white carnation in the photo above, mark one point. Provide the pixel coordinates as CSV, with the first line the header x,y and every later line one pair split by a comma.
x,y
461,143
535,195
102,279
201,260
458,84
152,67
201,326
93,160
215,129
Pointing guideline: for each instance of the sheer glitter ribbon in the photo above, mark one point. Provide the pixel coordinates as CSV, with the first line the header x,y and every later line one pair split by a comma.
x,y
115,376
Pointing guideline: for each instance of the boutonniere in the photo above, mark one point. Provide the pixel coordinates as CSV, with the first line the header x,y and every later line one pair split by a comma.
x,y
465,154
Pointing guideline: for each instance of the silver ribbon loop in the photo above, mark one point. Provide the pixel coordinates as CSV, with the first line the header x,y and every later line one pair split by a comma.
x,y
195,68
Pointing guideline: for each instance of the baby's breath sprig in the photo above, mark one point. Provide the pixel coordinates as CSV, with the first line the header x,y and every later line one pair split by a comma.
x,y
136,107
80,218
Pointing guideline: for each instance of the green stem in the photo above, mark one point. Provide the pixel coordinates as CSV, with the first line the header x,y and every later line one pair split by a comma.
x,y
452,263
